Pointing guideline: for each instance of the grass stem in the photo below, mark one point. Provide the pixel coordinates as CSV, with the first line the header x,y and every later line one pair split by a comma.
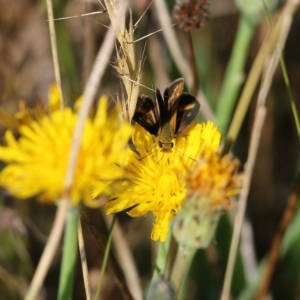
x,y
234,75
69,256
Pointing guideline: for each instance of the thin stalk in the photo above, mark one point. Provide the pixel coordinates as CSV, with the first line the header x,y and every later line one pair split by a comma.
x,y
85,271
161,260
291,96
253,149
91,218
287,238
286,78
125,259
90,91
181,267
105,259
195,83
277,241
267,47
69,256
260,117
234,76
49,250
174,47
54,50
160,269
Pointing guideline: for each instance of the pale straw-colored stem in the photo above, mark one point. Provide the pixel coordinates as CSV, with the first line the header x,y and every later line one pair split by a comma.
x,y
178,57
248,251
205,108
260,114
256,133
90,90
89,93
84,266
172,41
105,260
59,221
54,50
49,251
268,46
126,260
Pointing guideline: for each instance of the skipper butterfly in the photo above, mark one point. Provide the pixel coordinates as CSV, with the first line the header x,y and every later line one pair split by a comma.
x,y
168,115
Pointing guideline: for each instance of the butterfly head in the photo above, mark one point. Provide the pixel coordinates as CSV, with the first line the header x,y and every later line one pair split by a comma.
x,y
165,146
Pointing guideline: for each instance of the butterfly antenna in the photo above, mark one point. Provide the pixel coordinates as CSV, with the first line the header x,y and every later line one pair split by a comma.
x,y
148,154
185,155
182,153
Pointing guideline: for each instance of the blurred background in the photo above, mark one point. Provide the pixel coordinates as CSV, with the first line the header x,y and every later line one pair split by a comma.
x,y
26,71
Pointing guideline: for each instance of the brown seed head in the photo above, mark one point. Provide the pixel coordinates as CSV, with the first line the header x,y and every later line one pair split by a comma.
x,y
191,14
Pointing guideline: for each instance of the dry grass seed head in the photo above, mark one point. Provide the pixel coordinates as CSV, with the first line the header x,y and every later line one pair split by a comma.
x,y
126,65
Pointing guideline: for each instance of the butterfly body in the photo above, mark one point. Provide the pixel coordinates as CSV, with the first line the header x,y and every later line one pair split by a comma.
x,y
167,115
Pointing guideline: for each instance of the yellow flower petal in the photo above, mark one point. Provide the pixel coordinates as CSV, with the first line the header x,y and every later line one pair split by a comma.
x,y
37,162
211,183
155,180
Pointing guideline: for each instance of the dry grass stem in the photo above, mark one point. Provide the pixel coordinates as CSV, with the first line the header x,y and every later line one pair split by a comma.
x,y
91,218
172,41
90,90
49,250
277,241
89,93
268,74
126,260
85,272
81,15
254,144
268,46
178,57
157,61
205,109
54,50
248,251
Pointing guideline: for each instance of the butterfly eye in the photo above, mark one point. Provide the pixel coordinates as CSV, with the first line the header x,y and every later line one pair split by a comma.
x,y
165,146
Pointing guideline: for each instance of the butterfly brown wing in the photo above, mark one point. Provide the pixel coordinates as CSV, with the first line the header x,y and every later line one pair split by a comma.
x,y
171,98
168,115
147,115
168,104
187,111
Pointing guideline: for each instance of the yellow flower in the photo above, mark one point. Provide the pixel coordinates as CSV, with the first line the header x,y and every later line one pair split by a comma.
x,y
38,160
213,180
215,176
156,181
